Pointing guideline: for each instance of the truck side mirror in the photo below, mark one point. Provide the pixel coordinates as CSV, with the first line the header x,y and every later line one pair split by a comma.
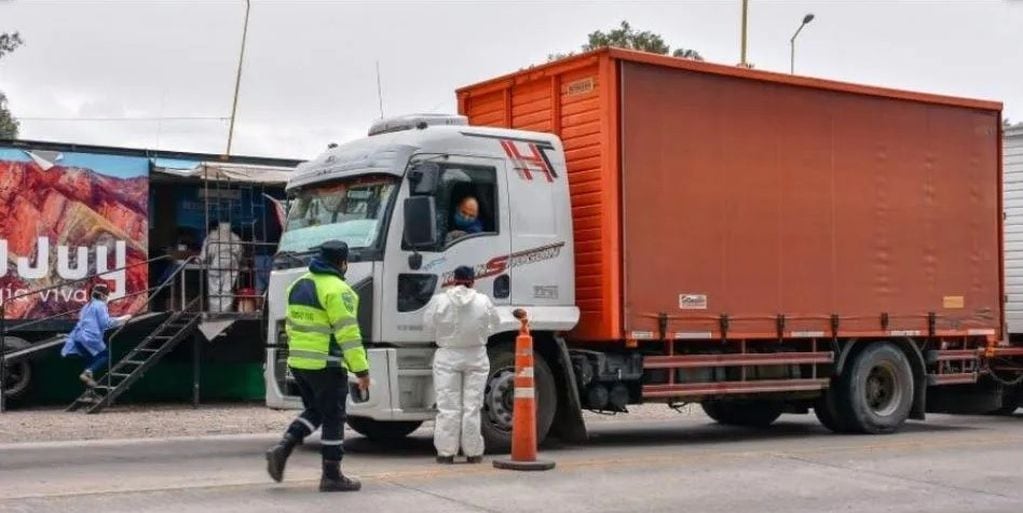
x,y
424,177
420,222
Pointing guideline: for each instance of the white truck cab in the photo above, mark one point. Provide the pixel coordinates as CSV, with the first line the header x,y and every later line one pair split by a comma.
x,y
392,196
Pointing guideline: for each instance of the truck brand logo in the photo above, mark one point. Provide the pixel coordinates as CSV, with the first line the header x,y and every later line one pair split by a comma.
x,y
692,301
498,265
535,162
433,264
579,87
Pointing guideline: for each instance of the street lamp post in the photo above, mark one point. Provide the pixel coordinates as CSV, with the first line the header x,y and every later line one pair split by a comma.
x,y
792,43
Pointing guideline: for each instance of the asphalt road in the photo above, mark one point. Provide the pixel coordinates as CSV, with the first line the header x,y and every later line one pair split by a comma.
x,y
948,464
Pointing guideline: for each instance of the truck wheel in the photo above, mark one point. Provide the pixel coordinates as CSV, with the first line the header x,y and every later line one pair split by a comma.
x,y
498,399
876,391
18,375
758,414
827,413
382,431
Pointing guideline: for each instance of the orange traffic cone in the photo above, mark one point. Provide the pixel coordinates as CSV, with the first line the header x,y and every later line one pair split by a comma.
x,y
523,453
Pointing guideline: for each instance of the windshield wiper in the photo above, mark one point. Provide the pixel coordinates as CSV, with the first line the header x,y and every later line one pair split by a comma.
x,y
294,258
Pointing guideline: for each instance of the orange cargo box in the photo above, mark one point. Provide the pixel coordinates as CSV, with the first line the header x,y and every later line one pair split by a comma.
x,y
713,201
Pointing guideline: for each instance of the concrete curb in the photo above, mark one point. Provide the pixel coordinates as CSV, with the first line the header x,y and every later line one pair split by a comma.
x,y
123,442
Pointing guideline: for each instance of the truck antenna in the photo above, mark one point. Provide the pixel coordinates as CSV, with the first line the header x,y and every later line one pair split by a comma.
x,y
380,93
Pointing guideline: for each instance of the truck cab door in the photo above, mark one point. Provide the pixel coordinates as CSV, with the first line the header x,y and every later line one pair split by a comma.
x,y
540,261
408,290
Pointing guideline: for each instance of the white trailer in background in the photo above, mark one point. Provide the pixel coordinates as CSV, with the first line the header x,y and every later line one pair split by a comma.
x,y
1012,179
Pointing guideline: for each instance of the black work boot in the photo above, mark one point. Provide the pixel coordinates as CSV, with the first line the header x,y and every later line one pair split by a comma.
x,y
277,456
333,481
446,460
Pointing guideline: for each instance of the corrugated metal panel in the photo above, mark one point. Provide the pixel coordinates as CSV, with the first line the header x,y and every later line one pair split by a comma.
x,y
753,200
578,115
1012,161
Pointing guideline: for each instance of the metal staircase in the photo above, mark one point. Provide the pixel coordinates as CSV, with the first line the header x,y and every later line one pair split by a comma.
x,y
161,341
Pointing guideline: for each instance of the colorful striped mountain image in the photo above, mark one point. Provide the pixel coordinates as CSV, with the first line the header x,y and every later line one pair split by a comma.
x,y
66,216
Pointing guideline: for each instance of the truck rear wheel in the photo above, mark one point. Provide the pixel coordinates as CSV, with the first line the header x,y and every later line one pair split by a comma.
x,y
499,399
17,375
382,431
828,414
758,414
875,393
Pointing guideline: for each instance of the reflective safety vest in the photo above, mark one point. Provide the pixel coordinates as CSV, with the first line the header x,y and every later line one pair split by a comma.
x,y
321,324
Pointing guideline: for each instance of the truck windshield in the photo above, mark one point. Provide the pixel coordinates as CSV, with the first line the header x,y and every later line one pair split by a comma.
x,y
350,210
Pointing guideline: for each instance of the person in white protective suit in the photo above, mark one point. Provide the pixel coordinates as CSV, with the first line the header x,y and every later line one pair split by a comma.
x,y
222,254
460,320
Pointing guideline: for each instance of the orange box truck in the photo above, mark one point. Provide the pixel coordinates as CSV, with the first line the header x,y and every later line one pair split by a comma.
x,y
770,243
678,232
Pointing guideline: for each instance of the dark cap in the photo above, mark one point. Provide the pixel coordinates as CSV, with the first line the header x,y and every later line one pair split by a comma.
x,y
334,251
100,289
464,275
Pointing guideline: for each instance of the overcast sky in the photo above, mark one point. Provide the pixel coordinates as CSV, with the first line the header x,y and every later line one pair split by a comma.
x,y
309,75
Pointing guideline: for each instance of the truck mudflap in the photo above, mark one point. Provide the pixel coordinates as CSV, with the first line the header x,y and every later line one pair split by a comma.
x,y
568,425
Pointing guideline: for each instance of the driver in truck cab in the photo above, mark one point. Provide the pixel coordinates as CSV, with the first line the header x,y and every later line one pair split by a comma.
x,y
466,219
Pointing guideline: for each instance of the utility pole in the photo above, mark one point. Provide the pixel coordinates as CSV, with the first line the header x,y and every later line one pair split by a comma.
x,y
745,16
238,79
380,92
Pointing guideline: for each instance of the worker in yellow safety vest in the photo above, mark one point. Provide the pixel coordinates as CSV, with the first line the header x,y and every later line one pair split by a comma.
x,y
324,344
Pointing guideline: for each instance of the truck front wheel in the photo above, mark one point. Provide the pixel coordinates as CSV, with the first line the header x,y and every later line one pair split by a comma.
x,y
499,399
876,390
382,431
743,413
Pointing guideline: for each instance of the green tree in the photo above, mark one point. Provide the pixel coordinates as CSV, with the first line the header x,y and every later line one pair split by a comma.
x,y
626,37
8,125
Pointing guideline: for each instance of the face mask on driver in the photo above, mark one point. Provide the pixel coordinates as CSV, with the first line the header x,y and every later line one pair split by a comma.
x,y
463,222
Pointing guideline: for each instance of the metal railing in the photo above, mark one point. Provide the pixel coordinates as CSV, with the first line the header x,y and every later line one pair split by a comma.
x,y
243,277
152,291
246,268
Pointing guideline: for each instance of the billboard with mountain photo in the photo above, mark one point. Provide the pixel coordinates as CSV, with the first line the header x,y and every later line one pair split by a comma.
x,y
70,215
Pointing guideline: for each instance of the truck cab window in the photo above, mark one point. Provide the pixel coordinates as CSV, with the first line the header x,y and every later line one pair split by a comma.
x,y
350,210
467,202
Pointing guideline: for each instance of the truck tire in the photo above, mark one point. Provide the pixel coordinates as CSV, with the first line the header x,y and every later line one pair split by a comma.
x,y
18,375
382,431
828,414
875,392
758,414
498,399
